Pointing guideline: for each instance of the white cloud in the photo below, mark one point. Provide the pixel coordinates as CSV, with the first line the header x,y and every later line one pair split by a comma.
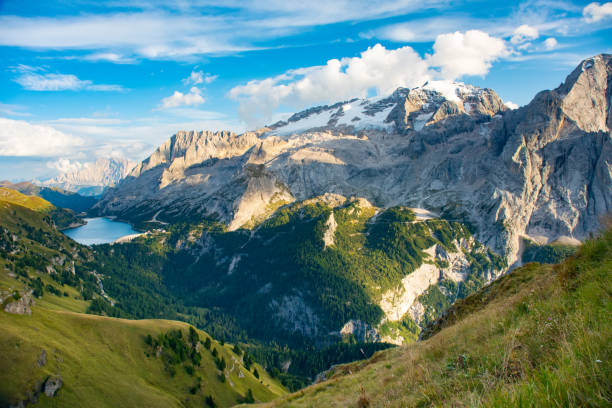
x,y
550,43
595,12
193,98
64,165
511,105
20,138
524,33
60,82
470,53
198,77
377,69
108,57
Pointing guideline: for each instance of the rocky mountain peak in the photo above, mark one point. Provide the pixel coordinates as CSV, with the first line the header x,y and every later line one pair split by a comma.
x,y
587,93
186,148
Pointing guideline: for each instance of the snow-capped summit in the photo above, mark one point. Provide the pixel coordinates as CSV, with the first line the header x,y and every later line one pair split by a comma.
x,y
402,111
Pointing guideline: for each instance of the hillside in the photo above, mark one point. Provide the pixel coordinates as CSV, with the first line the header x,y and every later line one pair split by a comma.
x,y
539,336
315,272
47,285
56,196
105,362
62,218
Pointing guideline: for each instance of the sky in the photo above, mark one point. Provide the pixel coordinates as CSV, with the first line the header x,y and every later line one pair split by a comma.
x,y
84,79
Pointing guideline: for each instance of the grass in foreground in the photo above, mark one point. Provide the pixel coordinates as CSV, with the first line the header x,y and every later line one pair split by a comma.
x,y
538,337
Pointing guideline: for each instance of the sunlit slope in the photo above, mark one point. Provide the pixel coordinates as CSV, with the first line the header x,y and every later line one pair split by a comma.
x,y
62,218
539,336
105,362
28,201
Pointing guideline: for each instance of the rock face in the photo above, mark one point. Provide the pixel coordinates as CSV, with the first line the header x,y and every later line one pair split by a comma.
x,y
52,385
21,305
92,178
542,171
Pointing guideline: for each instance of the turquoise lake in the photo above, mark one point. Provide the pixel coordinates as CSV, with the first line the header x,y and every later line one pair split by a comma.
x,y
100,231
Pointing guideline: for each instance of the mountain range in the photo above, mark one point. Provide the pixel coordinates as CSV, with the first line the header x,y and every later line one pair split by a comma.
x,y
540,172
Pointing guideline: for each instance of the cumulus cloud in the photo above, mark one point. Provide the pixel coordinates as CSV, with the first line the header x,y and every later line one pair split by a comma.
x,y
550,43
377,69
511,105
199,77
192,98
64,165
470,53
34,81
595,12
20,138
524,33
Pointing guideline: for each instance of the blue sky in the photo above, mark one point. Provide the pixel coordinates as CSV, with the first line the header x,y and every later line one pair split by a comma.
x,y
82,79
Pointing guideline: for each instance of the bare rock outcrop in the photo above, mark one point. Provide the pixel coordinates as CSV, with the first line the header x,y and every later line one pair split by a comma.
x,y
19,304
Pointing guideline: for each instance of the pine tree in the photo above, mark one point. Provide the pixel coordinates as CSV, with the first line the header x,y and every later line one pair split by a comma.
x,y
237,350
248,398
193,336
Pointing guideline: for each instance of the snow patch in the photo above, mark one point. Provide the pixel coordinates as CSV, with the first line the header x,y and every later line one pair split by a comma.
x,y
314,120
421,120
449,89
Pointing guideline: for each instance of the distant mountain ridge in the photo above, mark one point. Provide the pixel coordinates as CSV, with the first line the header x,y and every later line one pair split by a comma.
x,y
93,178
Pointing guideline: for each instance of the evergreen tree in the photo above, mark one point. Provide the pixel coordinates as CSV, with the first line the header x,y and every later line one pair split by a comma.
x,y
237,350
248,398
193,336
210,401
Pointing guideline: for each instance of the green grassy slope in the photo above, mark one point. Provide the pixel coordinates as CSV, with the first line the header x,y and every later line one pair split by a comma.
x,y
56,196
538,337
62,217
103,362
28,201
